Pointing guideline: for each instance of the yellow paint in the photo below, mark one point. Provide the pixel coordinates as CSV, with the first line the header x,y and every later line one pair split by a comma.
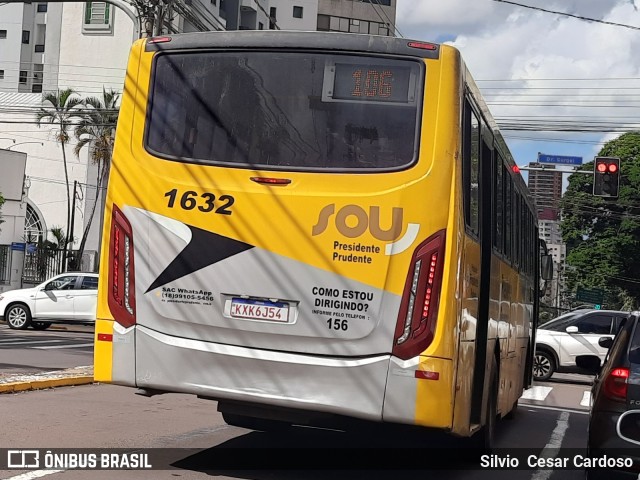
x,y
435,408
428,194
103,352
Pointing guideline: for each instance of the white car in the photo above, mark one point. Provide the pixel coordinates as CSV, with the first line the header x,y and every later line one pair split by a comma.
x,y
561,340
69,297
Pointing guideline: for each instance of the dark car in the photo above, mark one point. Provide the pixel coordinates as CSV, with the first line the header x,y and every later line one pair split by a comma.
x,y
614,420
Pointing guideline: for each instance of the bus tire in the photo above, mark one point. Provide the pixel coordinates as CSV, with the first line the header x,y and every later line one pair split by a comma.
x,y
484,439
252,423
512,413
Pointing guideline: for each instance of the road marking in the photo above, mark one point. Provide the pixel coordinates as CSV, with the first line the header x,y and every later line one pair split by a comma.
x,y
555,442
77,345
537,393
34,474
28,342
555,409
586,399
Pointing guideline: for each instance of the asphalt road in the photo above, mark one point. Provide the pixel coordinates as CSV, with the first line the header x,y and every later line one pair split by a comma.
x,y
109,416
201,445
59,347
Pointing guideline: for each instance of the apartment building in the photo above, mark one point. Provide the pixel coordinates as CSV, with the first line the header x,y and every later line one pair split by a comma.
x,y
49,46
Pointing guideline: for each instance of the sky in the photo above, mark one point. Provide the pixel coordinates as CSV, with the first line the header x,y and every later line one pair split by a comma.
x,y
538,70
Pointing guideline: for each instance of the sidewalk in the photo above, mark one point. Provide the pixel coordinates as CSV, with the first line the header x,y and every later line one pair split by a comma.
x,y
59,378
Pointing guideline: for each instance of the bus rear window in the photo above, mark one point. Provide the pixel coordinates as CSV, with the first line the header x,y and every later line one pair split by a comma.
x,y
285,110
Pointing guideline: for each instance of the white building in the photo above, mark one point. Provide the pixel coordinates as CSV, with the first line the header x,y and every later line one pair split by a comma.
x,y
49,46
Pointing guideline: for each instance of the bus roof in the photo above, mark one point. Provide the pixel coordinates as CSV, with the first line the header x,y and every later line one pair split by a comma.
x,y
295,39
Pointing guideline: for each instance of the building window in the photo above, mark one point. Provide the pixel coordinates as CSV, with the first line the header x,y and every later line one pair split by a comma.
x,y
23,77
39,49
42,7
98,17
33,226
214,2
297,12
36,88
1,74
3,34
260,26
25,36
323,22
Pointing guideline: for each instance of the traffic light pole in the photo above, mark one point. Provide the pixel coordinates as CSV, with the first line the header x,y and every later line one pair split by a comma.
x,y
555,170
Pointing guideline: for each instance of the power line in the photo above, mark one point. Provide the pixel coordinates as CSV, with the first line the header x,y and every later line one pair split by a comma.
x,y
388,22
579,17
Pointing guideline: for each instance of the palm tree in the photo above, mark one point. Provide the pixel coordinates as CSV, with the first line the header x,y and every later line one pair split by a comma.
x,y
96,130
61,108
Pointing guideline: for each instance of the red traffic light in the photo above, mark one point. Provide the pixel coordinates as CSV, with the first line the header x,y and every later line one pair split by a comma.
x,y
601,167
612,167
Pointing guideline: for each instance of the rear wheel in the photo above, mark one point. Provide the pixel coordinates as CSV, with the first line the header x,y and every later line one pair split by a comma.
x,y
252,423
18,317
544,365
514,411
40,325
484,439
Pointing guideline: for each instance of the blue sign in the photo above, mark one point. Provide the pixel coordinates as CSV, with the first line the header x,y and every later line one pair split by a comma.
x,y
18,247
559,159
32,248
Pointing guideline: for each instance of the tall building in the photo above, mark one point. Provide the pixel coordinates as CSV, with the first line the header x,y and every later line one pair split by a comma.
x,y
84,46
546,188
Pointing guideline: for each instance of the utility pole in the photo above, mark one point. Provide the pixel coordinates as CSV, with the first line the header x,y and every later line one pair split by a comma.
x,y
73,215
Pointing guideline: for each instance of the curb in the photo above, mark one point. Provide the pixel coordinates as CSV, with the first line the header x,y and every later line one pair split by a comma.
x,y
14,387
37,381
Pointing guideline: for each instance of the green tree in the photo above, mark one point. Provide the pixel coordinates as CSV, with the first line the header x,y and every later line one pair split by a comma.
x,y
61,108
603,235
96,131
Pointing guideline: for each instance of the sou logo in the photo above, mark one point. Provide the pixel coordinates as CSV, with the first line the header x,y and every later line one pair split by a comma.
x,y
368,221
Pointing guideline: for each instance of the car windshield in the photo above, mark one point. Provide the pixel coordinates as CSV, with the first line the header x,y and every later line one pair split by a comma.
x,y
561,321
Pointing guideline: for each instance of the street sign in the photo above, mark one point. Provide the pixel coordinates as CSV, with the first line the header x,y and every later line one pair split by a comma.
x,y
17,246
590,295
559,159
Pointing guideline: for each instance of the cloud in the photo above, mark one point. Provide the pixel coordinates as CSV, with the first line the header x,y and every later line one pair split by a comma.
x,y
531,64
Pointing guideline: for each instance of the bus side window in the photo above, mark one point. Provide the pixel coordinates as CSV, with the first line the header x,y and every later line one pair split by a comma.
x,y
471,169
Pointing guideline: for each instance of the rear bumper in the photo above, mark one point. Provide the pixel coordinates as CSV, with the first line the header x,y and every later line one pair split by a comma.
x,y
348,387
604,441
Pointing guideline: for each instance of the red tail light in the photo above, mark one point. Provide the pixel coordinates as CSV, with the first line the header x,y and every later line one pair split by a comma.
x,y
122,298
419,307
615,385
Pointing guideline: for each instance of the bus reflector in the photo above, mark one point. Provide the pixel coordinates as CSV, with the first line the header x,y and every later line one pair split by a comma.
x,y
159,40
271,181
105,337
423,374
121,297
415,327
422,45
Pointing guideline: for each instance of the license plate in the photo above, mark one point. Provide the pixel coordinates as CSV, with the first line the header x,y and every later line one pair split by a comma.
x,y
259,310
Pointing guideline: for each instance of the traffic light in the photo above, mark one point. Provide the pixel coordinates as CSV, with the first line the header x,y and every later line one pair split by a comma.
x,y
606,176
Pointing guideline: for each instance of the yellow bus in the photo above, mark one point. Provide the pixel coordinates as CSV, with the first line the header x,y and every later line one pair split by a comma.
x,y
310,228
